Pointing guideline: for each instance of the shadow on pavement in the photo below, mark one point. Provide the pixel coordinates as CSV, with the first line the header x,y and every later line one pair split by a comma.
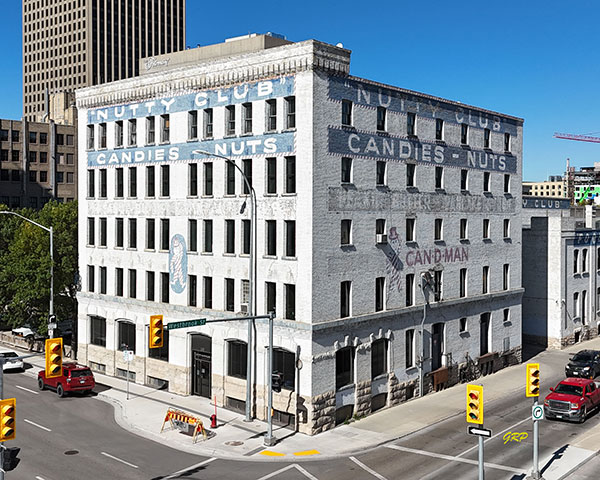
x,y
186,474
531,350
557,455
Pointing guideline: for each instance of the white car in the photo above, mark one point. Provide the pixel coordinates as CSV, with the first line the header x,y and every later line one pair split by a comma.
x,y
11,362
24,332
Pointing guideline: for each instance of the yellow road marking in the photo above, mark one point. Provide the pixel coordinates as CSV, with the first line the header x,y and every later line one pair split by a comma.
x,y
268,453
307,452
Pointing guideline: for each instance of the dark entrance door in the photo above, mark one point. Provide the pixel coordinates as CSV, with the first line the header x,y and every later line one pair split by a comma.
x,y
484,332
201,365
437,346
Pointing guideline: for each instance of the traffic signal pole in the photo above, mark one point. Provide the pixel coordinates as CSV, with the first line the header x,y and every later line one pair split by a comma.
x,y
535,473
269,439
2,397
481,471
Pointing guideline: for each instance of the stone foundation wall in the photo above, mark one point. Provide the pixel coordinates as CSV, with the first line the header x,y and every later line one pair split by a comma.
x,y
322,416
362,406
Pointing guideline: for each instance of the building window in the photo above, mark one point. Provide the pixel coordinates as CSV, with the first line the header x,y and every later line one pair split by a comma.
x,y
97,331
208,123
584,260
462,325
91,183
290,238
346,170
506,277
103,280
103,233
150,234
208,236
247,111
230,120
132,233
126,336
91,277
91,234
271,175
486,138
271,300
290,302
437,286
486,228
229,236
230,178
463,229
165,128
290,112
229,295
271,226
132,283
346,232
485,279
575,260
150,182
164,287
132,124
119,282
380,226
290,174
409,348
193,179
150,130
576,305
507,142
192,235
150,288
380,172
507,183
192,125
506,228
439,178
119,243
246,237
207,292
379,294
119,133
344,367
381,114
486,181
411,124
345,299
346,112
208,179
90,137
119,183
410,174
462,282
271,115
464,134
284,362
410,289
237,352
102,127
464,180
164,181
410,229
247,169
379,356
132,182
192,290
438,230
439,129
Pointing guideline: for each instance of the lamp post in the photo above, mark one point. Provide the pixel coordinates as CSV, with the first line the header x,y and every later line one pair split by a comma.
x,y
51,231
251,275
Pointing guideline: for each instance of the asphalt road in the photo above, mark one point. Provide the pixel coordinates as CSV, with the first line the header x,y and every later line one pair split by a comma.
x,y
77,437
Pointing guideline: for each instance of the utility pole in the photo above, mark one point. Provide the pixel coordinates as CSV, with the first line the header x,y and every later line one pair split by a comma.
x,y
269,439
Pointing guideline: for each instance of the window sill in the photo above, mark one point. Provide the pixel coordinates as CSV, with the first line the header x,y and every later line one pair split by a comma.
x,y
270,257
349,386
577,275
465,192
207,196
487,240
487,194
440,242
269,194
229,135
383,132
207,138
191,140
412,369
412,136
192,197
440,190
382,187
412,189
228,254
292,194
104,247
150,144
508,195
411,243
208,254
464,333
119,247
247,134
348,127
290,129
192,252
507,240
289,258
118,147
150,250
163,197
348,185
465,146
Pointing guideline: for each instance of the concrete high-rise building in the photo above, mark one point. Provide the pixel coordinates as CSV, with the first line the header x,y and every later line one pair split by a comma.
x,y
68,44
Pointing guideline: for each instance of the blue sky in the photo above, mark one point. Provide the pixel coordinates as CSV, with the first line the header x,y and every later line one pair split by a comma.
x,y
536,60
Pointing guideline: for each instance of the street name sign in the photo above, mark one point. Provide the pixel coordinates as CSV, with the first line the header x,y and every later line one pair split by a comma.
x,y
537,412
482,432
197,322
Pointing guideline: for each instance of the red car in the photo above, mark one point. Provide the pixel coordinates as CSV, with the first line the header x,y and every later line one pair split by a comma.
x,y
75,378
572,399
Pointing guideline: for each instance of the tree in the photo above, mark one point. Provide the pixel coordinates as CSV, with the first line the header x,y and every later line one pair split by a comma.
x,y
25,265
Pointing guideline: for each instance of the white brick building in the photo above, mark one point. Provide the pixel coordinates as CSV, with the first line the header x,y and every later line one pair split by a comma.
x,y
361,188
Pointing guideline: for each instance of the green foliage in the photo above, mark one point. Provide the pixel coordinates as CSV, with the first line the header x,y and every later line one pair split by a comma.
x,y
25,264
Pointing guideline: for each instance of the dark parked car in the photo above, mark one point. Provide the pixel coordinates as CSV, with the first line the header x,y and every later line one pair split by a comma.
x,y
585,363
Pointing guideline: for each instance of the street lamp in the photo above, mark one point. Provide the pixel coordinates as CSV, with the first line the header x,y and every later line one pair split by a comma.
x,y
251,274
50,230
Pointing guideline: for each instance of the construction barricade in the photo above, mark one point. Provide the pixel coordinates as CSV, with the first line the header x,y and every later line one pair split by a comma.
x,y
183,421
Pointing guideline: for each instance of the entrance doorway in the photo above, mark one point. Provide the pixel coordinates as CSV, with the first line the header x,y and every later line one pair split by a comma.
x,y
201,365
437,346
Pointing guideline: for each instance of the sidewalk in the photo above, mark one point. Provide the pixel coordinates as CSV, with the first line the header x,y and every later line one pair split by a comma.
x,y
145,411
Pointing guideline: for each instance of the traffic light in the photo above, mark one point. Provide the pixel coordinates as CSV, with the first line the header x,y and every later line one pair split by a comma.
x,y
7,419
156,331
9,459
277,381
54,347
475,404
533,380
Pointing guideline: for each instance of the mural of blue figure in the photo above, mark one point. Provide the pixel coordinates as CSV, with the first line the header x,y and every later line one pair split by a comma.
x,y
178,264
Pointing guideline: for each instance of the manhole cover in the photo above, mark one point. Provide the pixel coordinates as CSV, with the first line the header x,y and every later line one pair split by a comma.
x,y
71,452
234,443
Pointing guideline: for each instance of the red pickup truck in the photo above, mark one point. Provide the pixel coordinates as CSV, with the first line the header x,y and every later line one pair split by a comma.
x,y
572,399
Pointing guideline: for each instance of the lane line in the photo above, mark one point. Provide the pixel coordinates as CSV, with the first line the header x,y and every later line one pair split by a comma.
x,y
39,478
27,390
119,460
367,469
277,472
177,474
305,473
37,425
453,459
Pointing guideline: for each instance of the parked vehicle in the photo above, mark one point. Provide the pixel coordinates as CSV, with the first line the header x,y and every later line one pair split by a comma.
x,y
572,399
75,378
25,331
585,363
11,362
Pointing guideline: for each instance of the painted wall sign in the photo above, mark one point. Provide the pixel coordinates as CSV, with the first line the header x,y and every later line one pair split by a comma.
x,y
388,147
153,62
433,256
366,94
587,238
547,203
246,92
178,264
230,147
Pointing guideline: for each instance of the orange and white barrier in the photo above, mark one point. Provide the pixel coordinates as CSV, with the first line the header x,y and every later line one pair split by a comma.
x,y
174,416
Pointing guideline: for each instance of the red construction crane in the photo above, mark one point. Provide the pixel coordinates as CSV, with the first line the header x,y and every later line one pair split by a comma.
x,y
580,138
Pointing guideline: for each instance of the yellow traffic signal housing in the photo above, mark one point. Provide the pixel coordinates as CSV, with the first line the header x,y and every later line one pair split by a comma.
x,y
533,380
7,419
156,331
54,347
475,404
